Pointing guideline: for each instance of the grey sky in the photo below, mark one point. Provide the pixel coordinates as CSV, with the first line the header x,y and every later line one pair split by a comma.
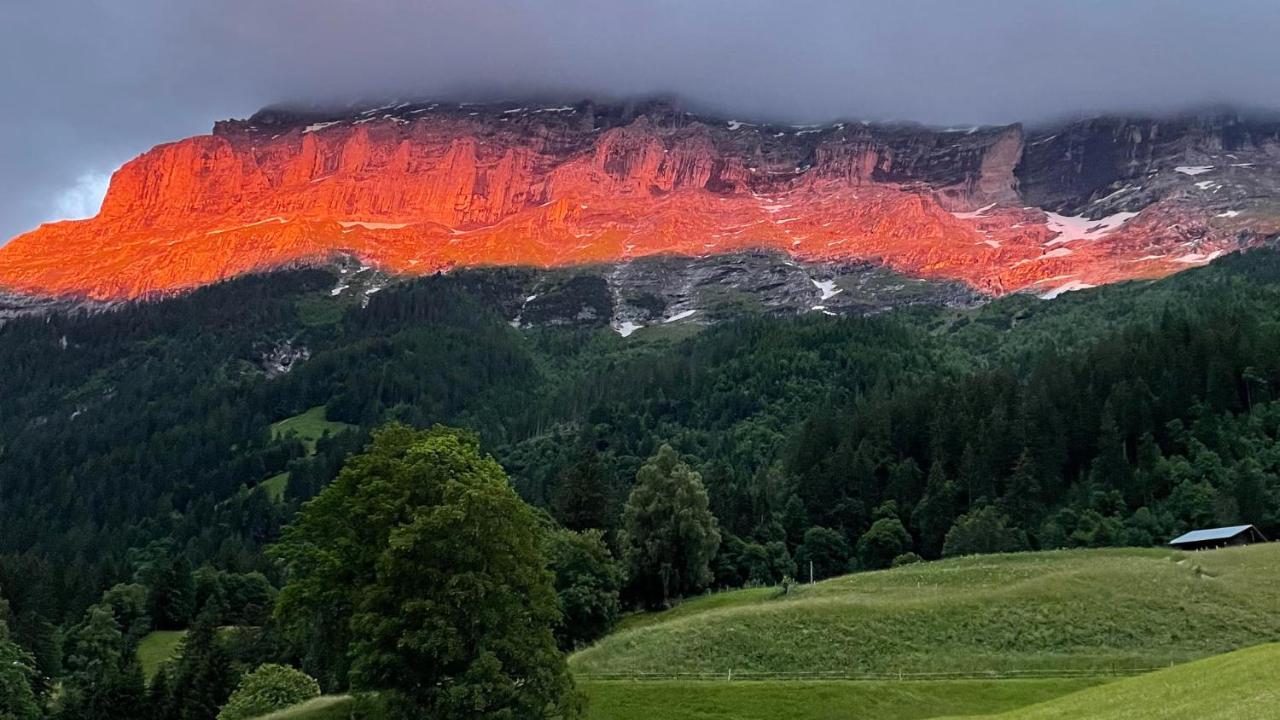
x,y
88,84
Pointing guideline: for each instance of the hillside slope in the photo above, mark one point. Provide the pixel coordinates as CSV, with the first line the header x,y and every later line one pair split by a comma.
x,y
1080,610
1237,685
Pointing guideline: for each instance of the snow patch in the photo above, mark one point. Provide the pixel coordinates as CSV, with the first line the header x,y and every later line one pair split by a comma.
x,y
680,316
1068,287
1228,214
1197,258
980,212
1079,227
827,288
1193,169
736,124
319,126
626,327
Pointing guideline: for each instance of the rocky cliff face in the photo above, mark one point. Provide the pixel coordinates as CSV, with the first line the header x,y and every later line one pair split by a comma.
x,y
420,188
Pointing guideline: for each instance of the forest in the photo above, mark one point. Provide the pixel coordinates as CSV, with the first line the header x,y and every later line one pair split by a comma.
x,y
137,446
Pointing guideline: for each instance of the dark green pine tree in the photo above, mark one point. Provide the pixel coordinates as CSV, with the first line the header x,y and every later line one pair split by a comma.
x,y
172,598
203,678
1021,501
582,501
1110,468
936,511
795,521
160,696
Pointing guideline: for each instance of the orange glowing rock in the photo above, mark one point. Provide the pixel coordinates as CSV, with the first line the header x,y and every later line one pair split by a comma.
x,y
419,193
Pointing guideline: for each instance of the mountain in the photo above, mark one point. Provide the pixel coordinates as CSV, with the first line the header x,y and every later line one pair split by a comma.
x,y
417,188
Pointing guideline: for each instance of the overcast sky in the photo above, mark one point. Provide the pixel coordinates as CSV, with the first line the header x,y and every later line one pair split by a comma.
x,y
88,84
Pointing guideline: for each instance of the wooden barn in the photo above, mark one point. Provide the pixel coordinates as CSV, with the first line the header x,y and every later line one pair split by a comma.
x,y
1218,537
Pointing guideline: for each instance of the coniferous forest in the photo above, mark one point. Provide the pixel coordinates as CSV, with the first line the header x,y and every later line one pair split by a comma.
x,y
141,479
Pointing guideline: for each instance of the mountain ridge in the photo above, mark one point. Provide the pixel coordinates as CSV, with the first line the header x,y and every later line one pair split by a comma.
x,y
417,188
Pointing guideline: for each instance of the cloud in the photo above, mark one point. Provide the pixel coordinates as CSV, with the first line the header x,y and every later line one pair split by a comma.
x,y
84,198
90,83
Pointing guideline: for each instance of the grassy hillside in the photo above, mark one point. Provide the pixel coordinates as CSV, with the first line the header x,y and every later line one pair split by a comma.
x,y
157,647
1078,610
623,700
308,426
838,700
327,707
1238,685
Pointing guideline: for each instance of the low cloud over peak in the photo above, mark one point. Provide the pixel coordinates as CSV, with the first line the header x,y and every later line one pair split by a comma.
x,y
91,83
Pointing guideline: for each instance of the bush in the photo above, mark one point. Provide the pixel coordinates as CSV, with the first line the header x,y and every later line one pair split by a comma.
x,y
984,530
826,549
885,540
907,558
588,582
269,688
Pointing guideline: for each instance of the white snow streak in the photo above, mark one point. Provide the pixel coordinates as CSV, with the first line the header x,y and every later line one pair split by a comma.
x,y
318,126
1069,287
975,214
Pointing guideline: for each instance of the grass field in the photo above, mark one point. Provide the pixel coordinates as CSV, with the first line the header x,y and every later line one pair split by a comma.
x,y
309,426
1069,612
327,707
156,647
275,485
1079,610
1235,686
837,700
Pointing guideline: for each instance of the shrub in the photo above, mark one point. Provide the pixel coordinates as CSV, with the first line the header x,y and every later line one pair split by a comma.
x,y
906,558
984,530
269,688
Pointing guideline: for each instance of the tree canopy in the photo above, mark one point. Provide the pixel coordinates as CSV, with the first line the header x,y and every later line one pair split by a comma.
x,y
426,572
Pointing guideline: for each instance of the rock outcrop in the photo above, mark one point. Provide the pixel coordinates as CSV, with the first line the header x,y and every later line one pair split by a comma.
x,y
420,188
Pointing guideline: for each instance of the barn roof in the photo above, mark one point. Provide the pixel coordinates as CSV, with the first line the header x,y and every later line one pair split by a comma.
x,y
1222,533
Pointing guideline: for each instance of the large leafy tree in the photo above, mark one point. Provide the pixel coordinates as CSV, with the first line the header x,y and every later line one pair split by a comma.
x,y
669,533
103,681
420,573
588,582
825,551
18,700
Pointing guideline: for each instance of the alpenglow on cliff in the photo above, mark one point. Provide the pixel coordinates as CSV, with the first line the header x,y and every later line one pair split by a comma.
x,y
417,188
